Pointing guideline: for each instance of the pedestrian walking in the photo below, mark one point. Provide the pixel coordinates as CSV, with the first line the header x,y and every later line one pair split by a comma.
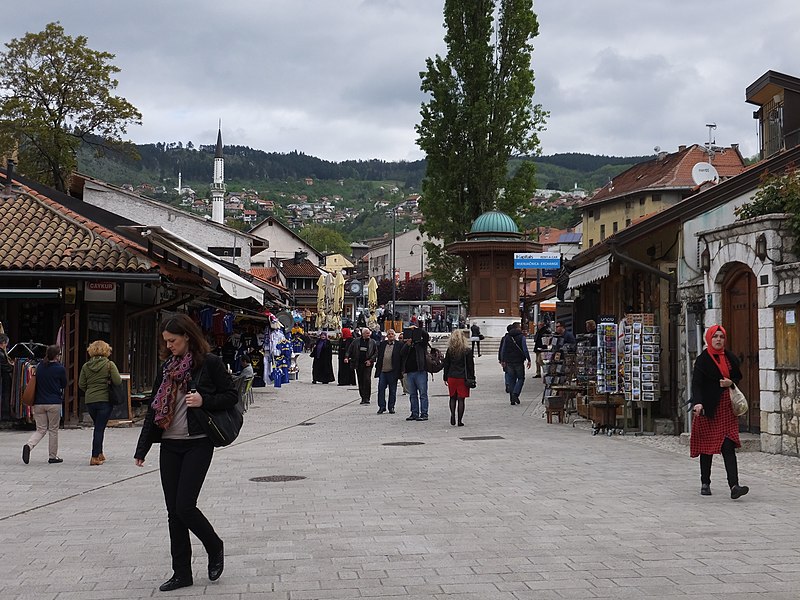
x,y
93,380
415,346
190,379
361,356
475,338
322,366
346,376
387,371
459,367
539,345
51,379
715,429
512,355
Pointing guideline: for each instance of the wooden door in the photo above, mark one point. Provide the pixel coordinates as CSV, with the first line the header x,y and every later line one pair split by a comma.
x,y
740,319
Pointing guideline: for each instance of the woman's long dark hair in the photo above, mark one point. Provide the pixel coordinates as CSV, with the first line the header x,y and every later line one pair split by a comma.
x,y
182,324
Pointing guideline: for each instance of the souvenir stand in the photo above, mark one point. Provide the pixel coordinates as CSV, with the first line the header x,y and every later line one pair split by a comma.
x,y
641,347
605,405
585,375
558,376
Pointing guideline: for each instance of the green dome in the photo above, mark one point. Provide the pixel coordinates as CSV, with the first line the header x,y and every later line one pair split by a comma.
x,y
494,221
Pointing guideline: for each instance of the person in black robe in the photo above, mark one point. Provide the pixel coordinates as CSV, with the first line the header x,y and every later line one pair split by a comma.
x,y
346,374
322,367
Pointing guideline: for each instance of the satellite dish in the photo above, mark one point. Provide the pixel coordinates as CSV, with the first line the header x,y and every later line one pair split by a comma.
x,y
657,149
704,172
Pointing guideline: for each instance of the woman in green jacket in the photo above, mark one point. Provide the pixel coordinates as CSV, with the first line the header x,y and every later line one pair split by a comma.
x,y
93,381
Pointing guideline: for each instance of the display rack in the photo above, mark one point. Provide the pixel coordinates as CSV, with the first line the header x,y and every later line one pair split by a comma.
x,y
604,403
641,344
558,376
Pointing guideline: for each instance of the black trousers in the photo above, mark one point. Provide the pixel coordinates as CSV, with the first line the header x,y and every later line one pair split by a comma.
x,y
364,377
731,466
184,464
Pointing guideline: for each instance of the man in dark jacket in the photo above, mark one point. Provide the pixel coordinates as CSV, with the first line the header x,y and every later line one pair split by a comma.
x,y
539,347
415,346
361,356
512,356
387,370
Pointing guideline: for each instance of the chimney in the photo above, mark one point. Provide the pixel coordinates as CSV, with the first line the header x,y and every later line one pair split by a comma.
x,y
8,190
682,147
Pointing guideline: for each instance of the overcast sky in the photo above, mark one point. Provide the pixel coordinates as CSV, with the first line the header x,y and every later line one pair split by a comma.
x,y
339,79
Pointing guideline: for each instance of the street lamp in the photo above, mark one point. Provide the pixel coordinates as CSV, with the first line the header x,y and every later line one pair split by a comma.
x,y
421,270
394,266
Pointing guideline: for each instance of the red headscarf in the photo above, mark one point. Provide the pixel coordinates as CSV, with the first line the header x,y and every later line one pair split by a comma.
x,y
717,355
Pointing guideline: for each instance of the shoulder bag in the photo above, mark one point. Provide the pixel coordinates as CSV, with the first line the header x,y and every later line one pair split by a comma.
x,y
117,393
738,401
29,393
221,426
470,382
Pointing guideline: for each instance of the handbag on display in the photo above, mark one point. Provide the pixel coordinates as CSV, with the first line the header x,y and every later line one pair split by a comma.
x,y
738,401
117,392
29,394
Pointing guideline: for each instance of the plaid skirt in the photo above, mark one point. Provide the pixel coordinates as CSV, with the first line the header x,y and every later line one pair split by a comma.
x,y
708,434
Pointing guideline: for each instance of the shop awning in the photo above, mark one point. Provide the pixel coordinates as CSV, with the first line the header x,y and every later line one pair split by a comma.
x,y
786,300
32,293
231,283
595,270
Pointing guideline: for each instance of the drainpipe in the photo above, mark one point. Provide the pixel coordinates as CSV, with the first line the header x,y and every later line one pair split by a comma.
x,y
674,309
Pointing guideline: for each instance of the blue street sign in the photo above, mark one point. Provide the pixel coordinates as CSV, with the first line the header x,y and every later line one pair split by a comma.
x,y
549,272
537,260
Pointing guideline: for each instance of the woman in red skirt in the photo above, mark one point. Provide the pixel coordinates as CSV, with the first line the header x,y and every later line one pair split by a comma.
x,y
459,365
715,429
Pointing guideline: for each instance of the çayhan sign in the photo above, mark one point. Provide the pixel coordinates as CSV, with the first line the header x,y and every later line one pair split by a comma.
x,y
100,291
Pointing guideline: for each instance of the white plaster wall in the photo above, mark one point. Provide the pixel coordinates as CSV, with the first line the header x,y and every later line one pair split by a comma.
x,y
149,212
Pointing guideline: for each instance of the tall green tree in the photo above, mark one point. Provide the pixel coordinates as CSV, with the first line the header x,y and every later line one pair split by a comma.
x,y
57,92
479,114
325,239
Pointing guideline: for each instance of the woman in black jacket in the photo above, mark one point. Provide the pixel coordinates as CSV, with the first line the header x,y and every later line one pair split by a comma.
x,y
715,429
459,365
322,367
189,379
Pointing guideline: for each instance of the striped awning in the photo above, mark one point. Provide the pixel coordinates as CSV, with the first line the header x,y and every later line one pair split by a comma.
x,y
597,269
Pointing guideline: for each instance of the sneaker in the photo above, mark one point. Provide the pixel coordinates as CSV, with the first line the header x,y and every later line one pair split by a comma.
x,y
412,418
422,418
738,491
365,402
26,454
55,460
381,411
391,411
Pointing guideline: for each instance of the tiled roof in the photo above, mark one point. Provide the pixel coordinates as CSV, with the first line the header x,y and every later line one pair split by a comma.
x,y
40,234
673,171
304,269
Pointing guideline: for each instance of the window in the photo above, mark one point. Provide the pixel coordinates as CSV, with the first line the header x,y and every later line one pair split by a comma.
x,y
597,216
628,204
591,242
627,222
641,201
602,232
591,214
615,227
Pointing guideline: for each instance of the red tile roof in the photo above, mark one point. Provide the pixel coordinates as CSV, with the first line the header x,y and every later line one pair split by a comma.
x,y
41,234
304,269
673,171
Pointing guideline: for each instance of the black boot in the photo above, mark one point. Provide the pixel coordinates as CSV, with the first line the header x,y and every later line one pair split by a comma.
x,y
460,412
452,410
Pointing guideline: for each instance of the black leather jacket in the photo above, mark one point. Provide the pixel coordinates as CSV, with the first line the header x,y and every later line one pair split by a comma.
x,y
705,381
214,384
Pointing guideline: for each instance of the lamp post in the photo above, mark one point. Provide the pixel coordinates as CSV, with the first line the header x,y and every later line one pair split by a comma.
x,y
394,244
421,270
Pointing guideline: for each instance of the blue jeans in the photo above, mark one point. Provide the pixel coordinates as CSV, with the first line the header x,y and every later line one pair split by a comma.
x,y
100,413
388,379
417,383
515,377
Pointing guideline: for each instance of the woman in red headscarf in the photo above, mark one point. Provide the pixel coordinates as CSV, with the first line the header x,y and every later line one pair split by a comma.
x,y
715,429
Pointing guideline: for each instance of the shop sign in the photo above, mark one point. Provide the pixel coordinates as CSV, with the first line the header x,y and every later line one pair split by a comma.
x,y
537,260
100,291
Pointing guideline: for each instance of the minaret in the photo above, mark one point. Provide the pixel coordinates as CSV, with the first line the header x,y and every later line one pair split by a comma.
x,y
218,186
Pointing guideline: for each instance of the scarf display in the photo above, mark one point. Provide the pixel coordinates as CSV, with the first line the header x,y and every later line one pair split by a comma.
x,y
718,356
174,382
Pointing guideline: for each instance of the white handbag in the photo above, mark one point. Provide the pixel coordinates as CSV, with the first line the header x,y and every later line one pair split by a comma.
x,y
738,401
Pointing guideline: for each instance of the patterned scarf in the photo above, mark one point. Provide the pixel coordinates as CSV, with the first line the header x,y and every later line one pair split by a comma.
x,y
174,382
718,355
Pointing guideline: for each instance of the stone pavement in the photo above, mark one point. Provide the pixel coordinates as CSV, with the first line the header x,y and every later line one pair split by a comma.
x,y
538,512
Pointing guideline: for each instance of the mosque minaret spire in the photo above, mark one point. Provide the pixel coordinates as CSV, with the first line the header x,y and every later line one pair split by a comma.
x,y
218,185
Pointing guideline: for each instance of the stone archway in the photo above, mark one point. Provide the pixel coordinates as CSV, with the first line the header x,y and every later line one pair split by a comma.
x,y
740,319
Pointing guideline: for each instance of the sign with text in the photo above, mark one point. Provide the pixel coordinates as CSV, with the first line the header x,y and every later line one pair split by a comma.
x,y
537,260
100,291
